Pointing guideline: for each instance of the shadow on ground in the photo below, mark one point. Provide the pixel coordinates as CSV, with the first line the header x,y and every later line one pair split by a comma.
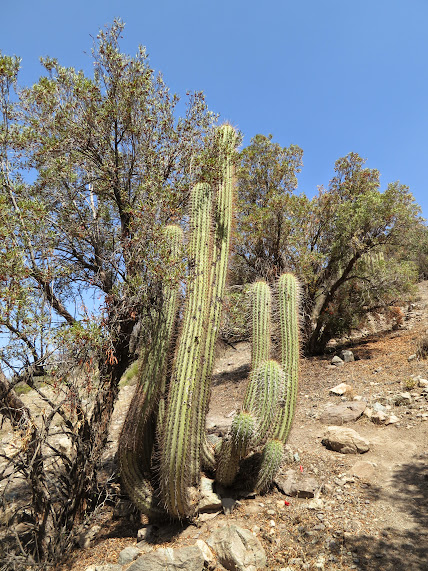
x,y
400,550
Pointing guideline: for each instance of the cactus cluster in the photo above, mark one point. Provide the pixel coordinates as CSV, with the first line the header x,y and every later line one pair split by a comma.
x,y
162,445
268,406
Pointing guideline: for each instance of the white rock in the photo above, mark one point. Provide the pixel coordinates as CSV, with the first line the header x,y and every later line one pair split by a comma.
x,y
392,419
341,389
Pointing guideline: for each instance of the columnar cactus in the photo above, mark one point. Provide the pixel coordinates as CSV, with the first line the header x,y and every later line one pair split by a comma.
x,y
137,436
163,445
272,388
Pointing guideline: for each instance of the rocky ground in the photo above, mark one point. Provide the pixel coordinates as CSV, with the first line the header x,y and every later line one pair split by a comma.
x,y
358,504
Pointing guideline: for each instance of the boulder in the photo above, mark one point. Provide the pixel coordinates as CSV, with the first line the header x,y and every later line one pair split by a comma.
x,y
237,549
296,484
348,411
128,554
180,559
337,361
345,440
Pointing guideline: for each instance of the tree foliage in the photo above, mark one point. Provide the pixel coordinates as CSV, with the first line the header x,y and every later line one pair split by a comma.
x,y
91,170
327,240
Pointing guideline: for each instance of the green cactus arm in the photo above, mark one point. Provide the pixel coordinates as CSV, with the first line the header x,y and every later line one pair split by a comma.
x,y
137,436
289,295
228,463
261,314
177,474
264,392
271,461
226,140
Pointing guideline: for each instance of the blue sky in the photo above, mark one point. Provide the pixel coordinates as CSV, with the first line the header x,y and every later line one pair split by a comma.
x,y
331,76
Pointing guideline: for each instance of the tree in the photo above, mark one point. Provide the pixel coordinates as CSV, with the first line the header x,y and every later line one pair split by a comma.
x,y
84,255
326,241
266,181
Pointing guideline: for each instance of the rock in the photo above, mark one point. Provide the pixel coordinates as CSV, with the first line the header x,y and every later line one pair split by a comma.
x,y
392,419
237,549
368,412
144,532
403,399
207,554
182,558
348,411
337,361
345,440
128,554
209,501
347,356
316,504
411,357
296,484
341,389
422,383
378,407
363,470
379,417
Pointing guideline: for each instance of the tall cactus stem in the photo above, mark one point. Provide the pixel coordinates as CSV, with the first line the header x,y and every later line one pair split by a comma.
x,y
226,141
288,301
137,437
261,311
178,474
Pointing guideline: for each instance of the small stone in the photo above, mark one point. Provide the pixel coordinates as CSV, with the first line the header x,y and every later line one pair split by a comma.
x,y
337,361
347,356
341,389
347,411
403,399
422,383
296,484
368,412
207,554
378,407
315,504
392,419
379,417
411,357
237,548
